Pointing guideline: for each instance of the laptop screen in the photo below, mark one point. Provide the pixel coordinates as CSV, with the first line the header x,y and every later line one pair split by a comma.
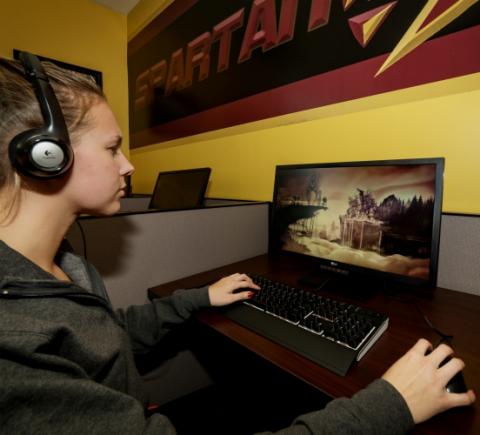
x,y
179,190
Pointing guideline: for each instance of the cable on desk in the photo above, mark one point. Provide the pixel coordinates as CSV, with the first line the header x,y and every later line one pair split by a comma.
x,y
444,338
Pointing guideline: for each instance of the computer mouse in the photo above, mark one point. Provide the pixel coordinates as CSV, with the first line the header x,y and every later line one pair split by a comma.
x,y
457,383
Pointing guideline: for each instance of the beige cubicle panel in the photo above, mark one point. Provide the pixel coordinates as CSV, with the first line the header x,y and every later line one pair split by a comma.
x,y
459,258
140,250
136,251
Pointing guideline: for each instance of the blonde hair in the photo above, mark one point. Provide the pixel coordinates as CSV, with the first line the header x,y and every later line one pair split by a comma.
x,y
19,111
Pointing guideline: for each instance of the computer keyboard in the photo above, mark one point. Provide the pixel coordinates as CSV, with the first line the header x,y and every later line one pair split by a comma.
x,y
327,331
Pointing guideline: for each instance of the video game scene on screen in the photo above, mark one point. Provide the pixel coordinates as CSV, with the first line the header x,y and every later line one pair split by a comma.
x,y
377,217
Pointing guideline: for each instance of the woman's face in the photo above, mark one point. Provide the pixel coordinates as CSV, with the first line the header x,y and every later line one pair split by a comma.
x,y
96,181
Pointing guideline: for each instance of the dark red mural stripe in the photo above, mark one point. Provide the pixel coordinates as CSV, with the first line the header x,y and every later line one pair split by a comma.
x,y
442,58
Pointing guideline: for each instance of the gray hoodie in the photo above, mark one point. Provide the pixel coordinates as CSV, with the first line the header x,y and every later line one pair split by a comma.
x,y
66,359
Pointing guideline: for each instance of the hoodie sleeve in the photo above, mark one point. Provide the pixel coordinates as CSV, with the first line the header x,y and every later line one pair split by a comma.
x,y
378,409
147,324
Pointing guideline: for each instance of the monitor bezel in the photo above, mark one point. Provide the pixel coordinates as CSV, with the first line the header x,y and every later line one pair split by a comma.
x,y
325,264
201,193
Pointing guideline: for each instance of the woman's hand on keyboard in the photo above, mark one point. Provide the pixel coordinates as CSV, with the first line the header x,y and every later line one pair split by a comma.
x,y
225,291
419,379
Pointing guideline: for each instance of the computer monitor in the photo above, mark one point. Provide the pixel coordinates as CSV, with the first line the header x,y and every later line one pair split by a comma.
x,y
377,218
179,190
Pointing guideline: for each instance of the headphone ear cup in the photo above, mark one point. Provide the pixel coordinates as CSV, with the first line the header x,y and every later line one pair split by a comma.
x,y
39,156
43,152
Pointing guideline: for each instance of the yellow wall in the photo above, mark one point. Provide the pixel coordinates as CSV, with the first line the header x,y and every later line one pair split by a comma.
x,y
79,32
439,119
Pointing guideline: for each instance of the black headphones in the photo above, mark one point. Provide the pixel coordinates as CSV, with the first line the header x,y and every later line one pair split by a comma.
x,y
43,152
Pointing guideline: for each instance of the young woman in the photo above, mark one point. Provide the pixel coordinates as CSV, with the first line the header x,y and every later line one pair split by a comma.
x,y
66,359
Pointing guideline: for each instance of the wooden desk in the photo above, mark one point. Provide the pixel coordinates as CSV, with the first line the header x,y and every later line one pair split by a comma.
x,y
452,312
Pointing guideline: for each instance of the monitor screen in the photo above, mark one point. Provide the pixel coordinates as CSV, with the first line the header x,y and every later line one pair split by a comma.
x,y
380,217
179,190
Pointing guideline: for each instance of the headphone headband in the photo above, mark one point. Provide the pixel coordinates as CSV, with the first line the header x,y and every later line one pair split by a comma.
x,y
43,152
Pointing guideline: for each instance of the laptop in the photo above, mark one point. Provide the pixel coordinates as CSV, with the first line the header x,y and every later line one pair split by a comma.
x,y
180,190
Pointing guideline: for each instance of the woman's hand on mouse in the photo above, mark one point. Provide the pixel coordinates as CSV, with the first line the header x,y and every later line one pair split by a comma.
x,y
419,379
222,292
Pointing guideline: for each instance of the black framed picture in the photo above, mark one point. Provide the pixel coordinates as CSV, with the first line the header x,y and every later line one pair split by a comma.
x,y
97,75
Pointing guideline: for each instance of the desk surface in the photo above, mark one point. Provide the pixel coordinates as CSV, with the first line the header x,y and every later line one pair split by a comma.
x,y
451,312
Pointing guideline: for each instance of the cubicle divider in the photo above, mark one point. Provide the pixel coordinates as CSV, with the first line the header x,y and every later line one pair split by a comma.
x,y
140,203
135,204
135,251
459,257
